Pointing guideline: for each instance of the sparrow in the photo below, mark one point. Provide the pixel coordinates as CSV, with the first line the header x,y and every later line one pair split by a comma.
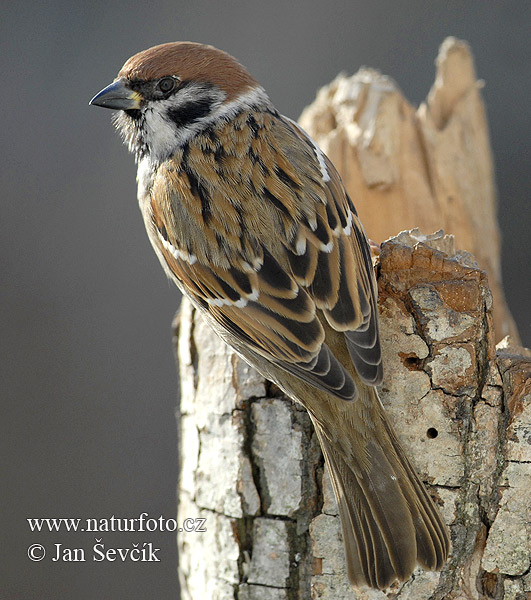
x,y
251,220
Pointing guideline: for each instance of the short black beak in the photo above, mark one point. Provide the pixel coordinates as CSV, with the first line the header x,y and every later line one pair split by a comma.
x,y
117,96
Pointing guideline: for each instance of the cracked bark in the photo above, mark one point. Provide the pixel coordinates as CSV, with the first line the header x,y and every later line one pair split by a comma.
x,y
250,462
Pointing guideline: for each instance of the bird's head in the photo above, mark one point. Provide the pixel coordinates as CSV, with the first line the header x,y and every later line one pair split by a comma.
x,y
167,94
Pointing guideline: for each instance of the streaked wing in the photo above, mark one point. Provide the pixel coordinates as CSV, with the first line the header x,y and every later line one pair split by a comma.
x,y
344,289
269,312
313,255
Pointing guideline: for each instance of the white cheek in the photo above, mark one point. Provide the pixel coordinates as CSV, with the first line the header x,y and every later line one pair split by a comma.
x,y
161,134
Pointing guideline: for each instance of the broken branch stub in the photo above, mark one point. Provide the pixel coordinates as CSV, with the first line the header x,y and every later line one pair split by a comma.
x,y
429,167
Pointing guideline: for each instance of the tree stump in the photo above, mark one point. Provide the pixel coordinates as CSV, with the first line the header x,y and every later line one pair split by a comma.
x,y
429,168
251,465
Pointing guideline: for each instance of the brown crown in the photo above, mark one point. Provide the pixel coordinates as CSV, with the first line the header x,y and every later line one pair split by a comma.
x,y
190,62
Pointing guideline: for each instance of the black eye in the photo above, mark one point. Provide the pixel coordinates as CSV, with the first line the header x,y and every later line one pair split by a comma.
x,y
166,85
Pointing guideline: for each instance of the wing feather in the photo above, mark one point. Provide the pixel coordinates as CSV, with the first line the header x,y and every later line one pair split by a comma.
x,y
354,310
269,293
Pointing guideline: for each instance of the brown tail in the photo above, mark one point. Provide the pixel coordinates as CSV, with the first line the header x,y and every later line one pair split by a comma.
x,y
389,521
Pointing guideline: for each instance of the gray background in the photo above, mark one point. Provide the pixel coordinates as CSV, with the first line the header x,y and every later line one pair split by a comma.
x,y
88,380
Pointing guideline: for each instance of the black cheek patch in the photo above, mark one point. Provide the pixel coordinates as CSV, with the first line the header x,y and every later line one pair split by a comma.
x,y
190,112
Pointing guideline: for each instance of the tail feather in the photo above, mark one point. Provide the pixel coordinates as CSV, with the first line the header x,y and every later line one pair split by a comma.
x,y
432,536
388,519
362,556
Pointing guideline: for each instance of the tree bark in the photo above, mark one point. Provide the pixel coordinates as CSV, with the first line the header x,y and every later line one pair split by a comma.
x,y
251,465
250,461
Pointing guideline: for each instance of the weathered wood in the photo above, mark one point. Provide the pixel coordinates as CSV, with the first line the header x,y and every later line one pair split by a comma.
x,y
429,167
